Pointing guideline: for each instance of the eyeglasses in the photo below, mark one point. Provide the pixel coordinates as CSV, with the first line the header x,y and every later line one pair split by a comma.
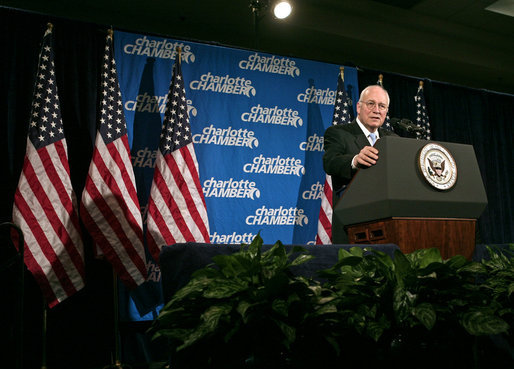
x,y
373,104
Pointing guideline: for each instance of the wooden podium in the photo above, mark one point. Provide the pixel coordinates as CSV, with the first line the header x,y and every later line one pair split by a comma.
x,y
450,236
392,202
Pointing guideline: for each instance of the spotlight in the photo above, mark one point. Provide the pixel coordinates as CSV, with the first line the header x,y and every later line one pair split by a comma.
x,y
282,9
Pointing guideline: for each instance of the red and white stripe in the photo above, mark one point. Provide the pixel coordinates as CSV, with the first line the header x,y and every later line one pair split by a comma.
x,y
44,209
176,207
324,235
110,210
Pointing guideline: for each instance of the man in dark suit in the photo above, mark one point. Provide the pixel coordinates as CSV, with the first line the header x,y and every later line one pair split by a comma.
x,y
349,147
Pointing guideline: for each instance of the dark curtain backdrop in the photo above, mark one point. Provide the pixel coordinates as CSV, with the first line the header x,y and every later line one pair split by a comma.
x,y
80,329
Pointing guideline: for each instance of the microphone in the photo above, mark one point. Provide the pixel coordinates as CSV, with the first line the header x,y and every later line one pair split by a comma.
x,y
405,125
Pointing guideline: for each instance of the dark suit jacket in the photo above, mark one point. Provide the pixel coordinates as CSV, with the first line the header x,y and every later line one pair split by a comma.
x,y
342,142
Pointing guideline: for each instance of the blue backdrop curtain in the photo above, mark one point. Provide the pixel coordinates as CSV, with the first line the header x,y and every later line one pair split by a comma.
x,y
80,330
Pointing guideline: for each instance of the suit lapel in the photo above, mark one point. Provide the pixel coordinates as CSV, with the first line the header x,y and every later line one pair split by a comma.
x,y
360,138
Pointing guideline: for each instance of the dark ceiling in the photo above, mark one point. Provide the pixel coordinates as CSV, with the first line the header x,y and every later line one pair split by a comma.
x,y
455,41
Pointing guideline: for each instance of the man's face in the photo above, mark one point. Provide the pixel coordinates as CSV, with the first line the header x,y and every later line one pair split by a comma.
x,y
373,116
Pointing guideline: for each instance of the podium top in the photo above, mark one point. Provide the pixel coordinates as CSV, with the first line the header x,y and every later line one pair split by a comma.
x,y
396,186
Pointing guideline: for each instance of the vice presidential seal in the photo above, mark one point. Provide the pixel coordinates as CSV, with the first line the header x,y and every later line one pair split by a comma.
x,y
437,166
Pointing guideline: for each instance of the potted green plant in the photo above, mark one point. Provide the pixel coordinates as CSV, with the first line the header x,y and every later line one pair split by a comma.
x,y
249,310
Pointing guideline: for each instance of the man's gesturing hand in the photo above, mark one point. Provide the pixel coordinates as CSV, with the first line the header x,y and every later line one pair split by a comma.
x,y
367,157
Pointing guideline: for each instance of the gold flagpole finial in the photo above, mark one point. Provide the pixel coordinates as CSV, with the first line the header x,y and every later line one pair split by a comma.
x,y
49,26
420,84
380,78
179,54
341,71
110,32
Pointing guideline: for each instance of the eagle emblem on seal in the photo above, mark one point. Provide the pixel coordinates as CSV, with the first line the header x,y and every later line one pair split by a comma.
x,y
437,166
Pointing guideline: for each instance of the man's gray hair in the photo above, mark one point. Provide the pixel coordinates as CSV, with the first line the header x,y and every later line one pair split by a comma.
x,y
374,86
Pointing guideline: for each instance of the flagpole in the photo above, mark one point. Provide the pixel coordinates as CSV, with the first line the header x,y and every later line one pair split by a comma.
x,y
117,359
115,294
341,71
179,55
43,341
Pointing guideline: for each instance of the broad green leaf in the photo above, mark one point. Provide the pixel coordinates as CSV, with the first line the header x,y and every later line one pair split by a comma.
x,y
210,321
335,345
223,288
178,334
326,309
375,330
255,247
229,265
482,323
288,331
299,249
473,267
402,266
381,258
214,313
357,251
242,308
401,303
301,259
456,262
429,256
280,306
342,253
195,285
169,316
350,260
426,314
510,289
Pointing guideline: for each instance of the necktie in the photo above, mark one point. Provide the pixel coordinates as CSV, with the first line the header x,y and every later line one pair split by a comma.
x,y
373,138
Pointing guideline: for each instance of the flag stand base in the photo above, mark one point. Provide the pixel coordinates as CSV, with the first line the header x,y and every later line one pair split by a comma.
x,y
117,363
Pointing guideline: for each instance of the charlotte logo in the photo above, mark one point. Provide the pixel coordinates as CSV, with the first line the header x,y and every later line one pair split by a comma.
x,y
313,95
145,103
284,117
437,166
164,49
242,189
277,165
270,64
144,158
226,137
224,84
191,110
278,216
314,193
313,143
233,238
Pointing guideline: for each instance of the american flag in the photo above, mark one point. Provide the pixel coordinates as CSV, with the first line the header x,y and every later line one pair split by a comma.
x,y
342,115
45,203
421,114
387,125
110,208
176,207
